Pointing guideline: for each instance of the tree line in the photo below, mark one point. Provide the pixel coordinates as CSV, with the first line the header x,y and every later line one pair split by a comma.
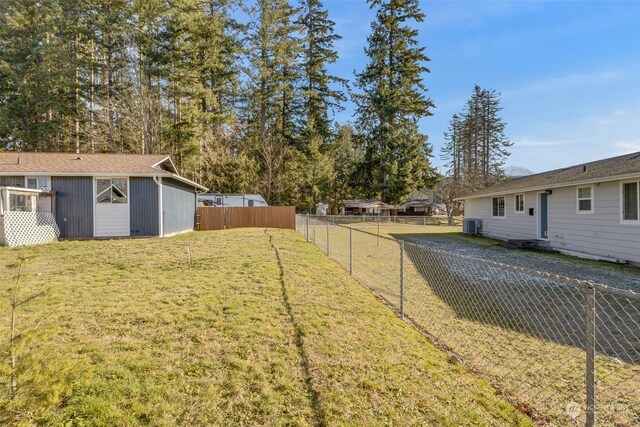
x,y
238,92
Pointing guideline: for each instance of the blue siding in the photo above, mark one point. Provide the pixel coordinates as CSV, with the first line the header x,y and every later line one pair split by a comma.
x,y
179,206
12,181
143,202
74,205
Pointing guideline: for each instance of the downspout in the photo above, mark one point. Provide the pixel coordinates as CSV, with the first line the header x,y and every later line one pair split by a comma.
x,y
158,181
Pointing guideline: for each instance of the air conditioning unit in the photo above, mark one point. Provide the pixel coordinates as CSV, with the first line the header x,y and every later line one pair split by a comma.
x,y
472,226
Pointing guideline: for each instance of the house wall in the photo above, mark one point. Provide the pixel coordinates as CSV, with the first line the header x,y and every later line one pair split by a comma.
x,y
12,181
179,206
601,233
143,204
74,206
514,225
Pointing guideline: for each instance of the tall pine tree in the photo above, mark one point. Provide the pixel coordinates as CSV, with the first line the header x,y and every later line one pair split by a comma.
x,y
392,102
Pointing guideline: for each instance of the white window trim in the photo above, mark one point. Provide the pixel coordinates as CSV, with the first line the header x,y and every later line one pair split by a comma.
x,y
27,178
95,188
629,221
593,200
515,203
505,207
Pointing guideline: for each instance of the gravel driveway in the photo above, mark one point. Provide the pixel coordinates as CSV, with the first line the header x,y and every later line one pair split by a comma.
x,y
602,272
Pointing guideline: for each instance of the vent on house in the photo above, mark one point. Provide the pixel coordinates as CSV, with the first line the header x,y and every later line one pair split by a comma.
x,y
584,168
471,226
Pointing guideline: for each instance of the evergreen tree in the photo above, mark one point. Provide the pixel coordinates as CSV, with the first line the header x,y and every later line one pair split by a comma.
x,y
476,144
37,83
273,106
319,96
392,101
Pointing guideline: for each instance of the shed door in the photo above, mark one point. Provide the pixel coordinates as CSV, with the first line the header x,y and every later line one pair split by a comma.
x,y
112,207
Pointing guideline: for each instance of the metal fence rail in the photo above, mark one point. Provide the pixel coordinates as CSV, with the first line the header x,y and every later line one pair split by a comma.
x,y
567,350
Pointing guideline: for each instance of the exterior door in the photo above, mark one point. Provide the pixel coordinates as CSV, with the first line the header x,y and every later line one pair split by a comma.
x,y
544,216
112,212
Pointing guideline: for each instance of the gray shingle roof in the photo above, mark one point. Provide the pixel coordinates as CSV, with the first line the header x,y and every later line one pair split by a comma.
x,y
606,169
60,164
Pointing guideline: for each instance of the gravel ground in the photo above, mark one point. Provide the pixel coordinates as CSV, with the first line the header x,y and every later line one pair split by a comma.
x,y
602,272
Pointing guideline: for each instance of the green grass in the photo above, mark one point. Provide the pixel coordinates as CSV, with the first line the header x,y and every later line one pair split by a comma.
x,y
523,338
264,329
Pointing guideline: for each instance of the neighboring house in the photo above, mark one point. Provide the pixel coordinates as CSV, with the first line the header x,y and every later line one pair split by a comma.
x,y
591,209
231,200
364,207
107,195
416,207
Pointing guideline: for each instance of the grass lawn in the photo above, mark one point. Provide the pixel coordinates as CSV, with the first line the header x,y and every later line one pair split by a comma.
x,y
264,329
521,331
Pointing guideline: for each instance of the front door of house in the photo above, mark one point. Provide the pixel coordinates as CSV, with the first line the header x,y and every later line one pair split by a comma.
x,y
112,218
544,216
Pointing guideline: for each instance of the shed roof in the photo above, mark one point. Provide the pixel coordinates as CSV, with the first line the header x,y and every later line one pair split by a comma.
x,y
69,164
602,170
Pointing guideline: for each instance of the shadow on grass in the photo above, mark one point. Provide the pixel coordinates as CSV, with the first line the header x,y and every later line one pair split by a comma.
x,y
545,306
318,413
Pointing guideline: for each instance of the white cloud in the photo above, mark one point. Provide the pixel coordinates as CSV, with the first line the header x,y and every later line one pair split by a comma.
x,y
556,84
625,147
528,142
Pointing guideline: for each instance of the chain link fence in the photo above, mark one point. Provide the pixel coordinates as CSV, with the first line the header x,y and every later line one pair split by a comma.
x,y
566,351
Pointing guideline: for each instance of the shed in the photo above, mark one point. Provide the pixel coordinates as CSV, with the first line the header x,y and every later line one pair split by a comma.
x,y
107,195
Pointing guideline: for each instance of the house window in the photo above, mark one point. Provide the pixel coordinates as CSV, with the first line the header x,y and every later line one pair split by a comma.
x,y
218,201
585,199
498,207
519,202
631,201
111,190
38,183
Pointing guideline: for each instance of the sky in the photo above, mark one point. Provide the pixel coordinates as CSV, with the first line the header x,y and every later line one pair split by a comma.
x,y
568,71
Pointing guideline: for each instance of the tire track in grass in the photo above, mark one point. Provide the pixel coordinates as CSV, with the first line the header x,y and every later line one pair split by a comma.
x,y
318,413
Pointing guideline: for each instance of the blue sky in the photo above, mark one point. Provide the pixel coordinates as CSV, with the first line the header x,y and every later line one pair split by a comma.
x,y
568,71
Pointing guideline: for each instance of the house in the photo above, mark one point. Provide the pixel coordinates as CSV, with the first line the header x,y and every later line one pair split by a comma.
x,y
364,207
416,207
231,200
105,195
592,209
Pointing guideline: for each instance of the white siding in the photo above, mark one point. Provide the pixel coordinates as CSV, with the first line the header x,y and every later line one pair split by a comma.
x,y
513,226
112,220
600,233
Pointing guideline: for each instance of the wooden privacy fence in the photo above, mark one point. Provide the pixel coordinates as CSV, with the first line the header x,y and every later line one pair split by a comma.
x,y
219,218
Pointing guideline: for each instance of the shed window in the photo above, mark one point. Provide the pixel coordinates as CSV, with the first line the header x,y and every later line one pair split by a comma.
x,y
519,202
498,206
38,183
111,190
585,199
631,201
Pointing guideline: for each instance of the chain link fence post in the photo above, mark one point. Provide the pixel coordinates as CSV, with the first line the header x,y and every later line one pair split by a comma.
x,y
378,242
402,279
590,332
350,252
307,229
327,239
